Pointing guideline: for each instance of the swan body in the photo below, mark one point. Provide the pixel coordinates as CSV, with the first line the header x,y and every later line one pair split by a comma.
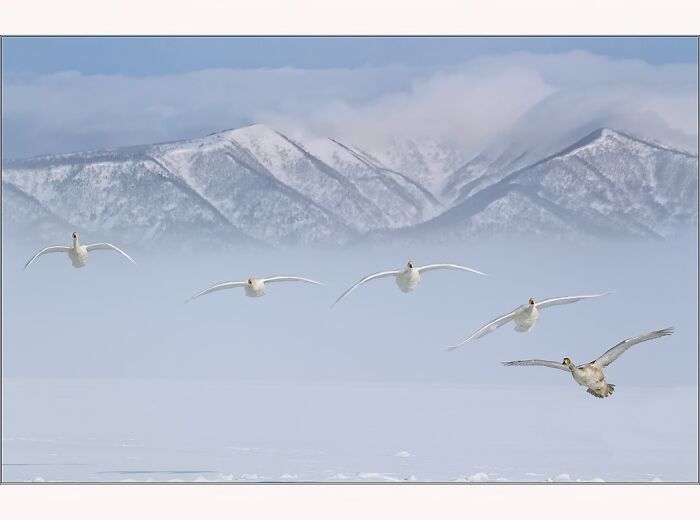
x,y
78,255
526,317
255,288
408,279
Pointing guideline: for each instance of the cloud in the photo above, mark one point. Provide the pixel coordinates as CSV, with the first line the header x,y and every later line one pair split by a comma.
x,y
591,91
462,106
523,98
528,101
72,111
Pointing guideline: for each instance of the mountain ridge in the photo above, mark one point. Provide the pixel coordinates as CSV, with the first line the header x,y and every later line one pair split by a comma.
x,y
461,214
257,184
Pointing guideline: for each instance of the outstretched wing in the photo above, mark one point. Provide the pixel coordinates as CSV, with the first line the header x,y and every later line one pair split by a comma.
x,y
615,352
217,287
47,250
489,327
563,300
289,279
105,245
449,266
536,362
367,279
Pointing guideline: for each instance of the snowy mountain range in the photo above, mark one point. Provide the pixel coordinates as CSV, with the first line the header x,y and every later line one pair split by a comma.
x,y
606,184
257,185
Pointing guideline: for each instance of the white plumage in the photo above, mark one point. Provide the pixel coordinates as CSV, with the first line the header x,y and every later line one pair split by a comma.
x,y
407,279
254,287
77,253
524,316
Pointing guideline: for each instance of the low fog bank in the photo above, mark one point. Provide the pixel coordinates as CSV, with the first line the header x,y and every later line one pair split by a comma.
x,y
109,375
113,319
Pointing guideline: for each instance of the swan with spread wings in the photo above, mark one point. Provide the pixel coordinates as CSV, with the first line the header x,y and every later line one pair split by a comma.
x,y
407,279
77,253
591,375
254,287
524,316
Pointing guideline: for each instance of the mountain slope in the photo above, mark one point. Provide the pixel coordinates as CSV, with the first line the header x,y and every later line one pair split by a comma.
x,y
425,161
125,193
608,183
24,216
252,181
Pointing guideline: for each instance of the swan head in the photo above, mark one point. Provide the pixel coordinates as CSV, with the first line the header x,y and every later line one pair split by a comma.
x,y
532,301
568,363
75,235
250,281
410,264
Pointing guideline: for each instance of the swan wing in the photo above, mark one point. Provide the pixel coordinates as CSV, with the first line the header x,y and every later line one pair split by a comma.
x,y
105,245
217,287
616,351
45,251
367,279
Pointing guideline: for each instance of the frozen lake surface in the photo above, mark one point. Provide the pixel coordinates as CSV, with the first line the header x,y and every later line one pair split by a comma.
x,y
257,431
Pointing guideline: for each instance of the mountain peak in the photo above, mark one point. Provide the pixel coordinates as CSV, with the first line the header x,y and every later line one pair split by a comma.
x,y
254,130
596,135
609,135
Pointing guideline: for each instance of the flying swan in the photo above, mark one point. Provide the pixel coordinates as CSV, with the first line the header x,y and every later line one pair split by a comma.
x,y
591,375
524,316
254,287
407,278
78,254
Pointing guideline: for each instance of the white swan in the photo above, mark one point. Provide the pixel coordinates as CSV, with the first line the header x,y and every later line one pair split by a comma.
x,y
524,316
254,287
591,375
407,278
78,254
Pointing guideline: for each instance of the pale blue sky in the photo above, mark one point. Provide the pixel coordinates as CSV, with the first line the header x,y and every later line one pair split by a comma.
x,y
145,56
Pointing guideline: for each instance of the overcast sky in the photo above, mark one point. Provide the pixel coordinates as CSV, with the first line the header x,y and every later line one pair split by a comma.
x,y
69,94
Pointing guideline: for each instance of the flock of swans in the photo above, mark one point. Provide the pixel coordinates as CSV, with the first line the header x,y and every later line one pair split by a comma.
x,y
525,316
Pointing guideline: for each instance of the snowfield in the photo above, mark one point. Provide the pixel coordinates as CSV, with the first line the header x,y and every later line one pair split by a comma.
x,y
181,431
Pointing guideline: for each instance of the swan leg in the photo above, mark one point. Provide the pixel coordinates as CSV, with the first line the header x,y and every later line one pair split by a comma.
x,y
607,391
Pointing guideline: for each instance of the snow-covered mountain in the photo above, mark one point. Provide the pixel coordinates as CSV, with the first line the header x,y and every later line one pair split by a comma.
x,y
256,184
608,183
427,161
252,182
